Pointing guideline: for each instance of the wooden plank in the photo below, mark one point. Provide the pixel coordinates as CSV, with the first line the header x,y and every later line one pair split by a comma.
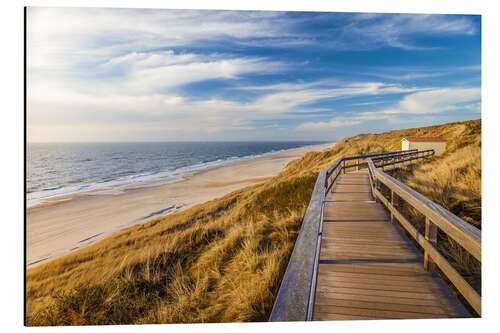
x,y
374,242
349,196
428,285
342,238
334,246
367,229
375,277
349,225
382,299
381,268
332,231
334,302
352,234
382,314
353,211
353,179
351,188
356,291
338,239
353,182
363,247
365,253
370,279
361,238
353,257
334,316
376,286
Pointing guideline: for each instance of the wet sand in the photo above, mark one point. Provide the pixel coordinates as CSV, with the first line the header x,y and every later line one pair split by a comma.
x,y
60,226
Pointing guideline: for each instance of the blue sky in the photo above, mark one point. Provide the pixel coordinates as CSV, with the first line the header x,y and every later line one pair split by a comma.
x,y
97,74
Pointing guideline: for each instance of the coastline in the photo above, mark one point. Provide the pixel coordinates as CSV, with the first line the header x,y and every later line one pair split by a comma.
x,y
68,223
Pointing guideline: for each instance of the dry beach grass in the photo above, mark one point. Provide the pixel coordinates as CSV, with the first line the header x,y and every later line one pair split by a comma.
x,y
223,260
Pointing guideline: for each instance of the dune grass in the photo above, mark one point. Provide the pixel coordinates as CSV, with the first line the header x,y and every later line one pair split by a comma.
x,y
452,180
223,261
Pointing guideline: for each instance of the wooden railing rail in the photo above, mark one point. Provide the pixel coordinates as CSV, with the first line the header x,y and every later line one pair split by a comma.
x,y
436,217
293,299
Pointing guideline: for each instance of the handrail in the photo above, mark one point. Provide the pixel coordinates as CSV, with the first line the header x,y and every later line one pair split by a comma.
x,y
292,302
465,234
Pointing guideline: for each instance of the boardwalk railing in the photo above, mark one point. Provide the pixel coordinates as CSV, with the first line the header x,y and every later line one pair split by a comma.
x,y
436,217
295,297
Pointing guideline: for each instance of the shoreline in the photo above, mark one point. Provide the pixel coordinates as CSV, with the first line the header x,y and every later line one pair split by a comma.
x,y
120,185
67,223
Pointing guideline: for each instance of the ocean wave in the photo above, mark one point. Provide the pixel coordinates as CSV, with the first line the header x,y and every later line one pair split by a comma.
x,y
53,188
125,180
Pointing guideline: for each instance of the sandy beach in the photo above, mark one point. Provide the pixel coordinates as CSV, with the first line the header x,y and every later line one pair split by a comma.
x,y
65,224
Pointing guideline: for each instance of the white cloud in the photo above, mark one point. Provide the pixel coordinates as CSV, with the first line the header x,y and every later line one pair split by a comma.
x,y
310,126
60,38
437,100
368,103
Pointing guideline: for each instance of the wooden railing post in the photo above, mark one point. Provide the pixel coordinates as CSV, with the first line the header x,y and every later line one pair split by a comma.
x,y
394,203
431,236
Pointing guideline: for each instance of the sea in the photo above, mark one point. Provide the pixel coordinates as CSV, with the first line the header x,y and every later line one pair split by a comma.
x,y
59,169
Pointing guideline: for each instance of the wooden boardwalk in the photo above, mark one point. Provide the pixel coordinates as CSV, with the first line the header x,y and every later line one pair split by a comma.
x,y
368,268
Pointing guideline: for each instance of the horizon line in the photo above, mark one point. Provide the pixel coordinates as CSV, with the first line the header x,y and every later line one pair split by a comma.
x,y
171,141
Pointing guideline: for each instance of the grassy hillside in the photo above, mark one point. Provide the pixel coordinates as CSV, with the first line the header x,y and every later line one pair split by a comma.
x,y
224,260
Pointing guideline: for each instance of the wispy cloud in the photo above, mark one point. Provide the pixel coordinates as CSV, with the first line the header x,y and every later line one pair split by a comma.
x,y
368,103
369,30
405,73
311,126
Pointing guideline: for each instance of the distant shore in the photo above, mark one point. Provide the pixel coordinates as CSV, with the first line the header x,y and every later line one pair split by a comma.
x,y
65,224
